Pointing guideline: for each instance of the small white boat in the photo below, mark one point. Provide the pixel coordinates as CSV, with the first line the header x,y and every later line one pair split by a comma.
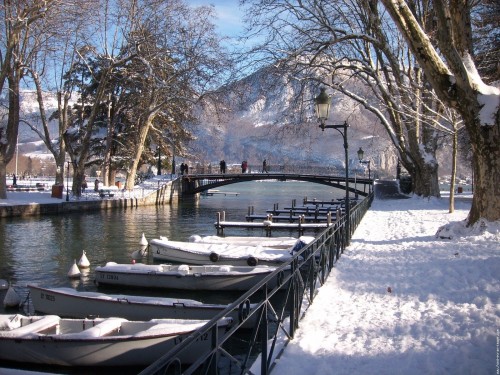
x,y
273,242
52,340
71,303
236,251
186,277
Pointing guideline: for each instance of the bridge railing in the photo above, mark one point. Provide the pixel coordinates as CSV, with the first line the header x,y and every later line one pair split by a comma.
x,y
197,183
276,312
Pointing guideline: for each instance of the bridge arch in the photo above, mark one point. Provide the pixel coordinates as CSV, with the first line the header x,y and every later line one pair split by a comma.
x,y
198,183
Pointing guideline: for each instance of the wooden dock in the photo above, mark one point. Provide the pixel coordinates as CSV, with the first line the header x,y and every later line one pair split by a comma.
x,y
212,192
316,202
290,218
270,224
295,214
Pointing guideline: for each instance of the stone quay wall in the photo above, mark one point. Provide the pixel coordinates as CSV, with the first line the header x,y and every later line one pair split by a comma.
x,y
165,194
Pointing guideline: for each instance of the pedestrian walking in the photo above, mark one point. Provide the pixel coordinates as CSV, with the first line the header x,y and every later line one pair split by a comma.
x,y
14,180
222,165
264,166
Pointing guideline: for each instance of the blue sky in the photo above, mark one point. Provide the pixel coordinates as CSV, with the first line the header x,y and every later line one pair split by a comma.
x,y
230,15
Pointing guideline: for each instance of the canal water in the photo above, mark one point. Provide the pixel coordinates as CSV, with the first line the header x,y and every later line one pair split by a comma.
x,y
41,250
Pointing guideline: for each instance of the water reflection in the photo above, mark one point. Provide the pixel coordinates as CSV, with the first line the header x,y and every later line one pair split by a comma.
x,y
42,250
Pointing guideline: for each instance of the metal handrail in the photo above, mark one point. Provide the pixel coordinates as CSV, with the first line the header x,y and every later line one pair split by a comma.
x,y
297,284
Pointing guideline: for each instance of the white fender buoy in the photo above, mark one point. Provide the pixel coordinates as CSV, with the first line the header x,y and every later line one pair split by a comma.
x,y
11,299
138,254
4,284
74,283
74,271
194,238
84,262
143,242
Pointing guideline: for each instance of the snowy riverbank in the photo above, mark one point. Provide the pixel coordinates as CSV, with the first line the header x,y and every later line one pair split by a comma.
x,y
401,301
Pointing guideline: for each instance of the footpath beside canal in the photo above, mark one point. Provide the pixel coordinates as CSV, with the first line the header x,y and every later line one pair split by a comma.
x,y
405,299
156,191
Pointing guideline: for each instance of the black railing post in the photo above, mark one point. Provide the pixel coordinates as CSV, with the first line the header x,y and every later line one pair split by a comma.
x,y
264,365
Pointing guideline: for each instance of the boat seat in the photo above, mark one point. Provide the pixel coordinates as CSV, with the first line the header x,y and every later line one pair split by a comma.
x,y
161,329
42,324
106,327
183,269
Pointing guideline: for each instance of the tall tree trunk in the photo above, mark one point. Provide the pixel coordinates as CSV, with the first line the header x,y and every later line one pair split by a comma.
x,y
60,157
106,165
143,133
453,171
425,180
486,165
3,177
8,140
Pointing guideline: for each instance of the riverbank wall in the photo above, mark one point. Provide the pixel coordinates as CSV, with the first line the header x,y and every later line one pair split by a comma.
x,y
165,194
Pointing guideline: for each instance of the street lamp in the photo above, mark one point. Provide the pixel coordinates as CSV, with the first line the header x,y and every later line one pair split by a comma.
x,y
159,160
361,153
173,161
67,183
322,103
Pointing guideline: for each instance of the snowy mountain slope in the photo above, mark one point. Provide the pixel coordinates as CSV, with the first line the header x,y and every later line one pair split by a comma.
x,y
261,120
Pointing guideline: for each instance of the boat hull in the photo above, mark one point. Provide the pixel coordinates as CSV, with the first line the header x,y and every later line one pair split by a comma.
x,y
137,348
219,278
70,303
93,353
234,253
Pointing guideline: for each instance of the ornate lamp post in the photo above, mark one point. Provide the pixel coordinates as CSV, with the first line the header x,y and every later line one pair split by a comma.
x,y
322,102
159,160
173,161
361,153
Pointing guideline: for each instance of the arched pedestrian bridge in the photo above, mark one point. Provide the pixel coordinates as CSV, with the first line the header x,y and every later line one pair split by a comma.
x,y
197,183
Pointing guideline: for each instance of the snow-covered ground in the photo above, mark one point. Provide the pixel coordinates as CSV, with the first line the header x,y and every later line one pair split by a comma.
x,y
402,301
27,197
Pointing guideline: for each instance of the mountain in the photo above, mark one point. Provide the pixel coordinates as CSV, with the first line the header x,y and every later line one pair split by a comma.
x,y
267,117
262,120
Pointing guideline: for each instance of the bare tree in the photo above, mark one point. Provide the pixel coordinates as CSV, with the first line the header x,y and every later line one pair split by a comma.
x,y
454,76
22,24
166,58
61,38
354,48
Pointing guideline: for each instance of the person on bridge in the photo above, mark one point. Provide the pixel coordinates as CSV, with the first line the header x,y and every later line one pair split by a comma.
x,y
222,166
244,166
264,166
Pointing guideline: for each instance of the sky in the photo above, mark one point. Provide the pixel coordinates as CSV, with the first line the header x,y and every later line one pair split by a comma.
x,y
230,15
402,301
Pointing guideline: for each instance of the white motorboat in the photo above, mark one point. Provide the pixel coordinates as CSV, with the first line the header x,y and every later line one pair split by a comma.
x,y
52,340
285,243
70,303
186,277
236,251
